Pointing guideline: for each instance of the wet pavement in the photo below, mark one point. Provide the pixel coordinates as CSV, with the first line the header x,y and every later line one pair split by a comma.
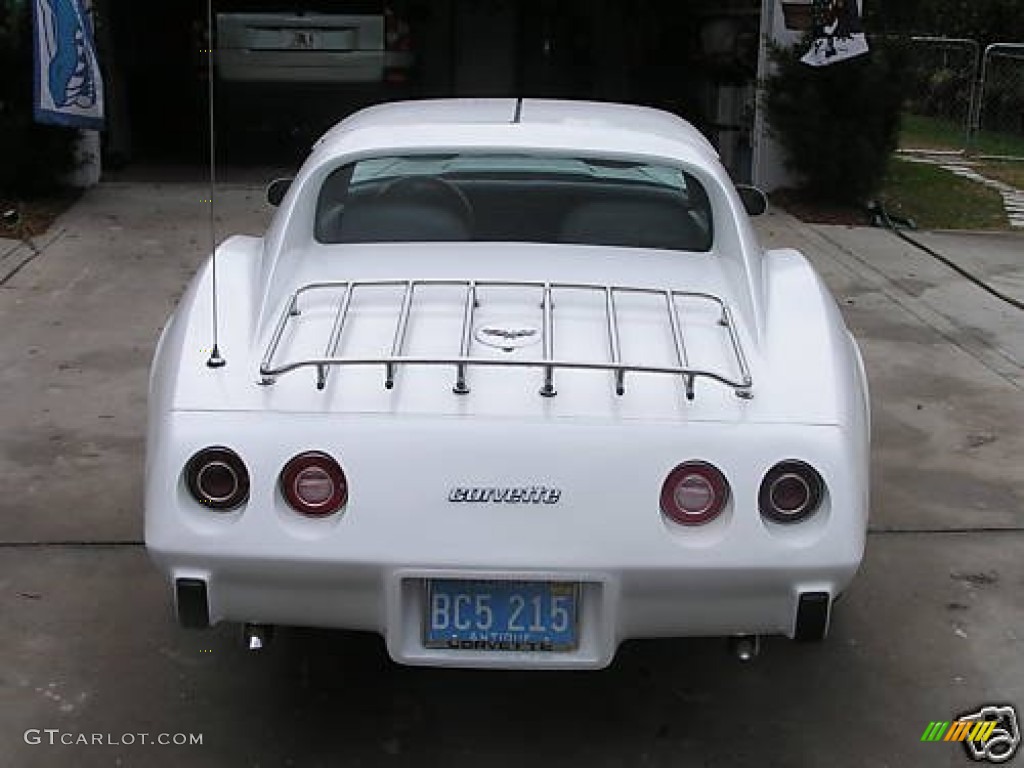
x,y
932,628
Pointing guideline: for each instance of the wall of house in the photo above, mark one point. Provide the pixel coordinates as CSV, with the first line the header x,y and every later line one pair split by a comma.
x,y
769,171
768,168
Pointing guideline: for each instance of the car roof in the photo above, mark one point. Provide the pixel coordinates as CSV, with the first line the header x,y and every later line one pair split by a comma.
x,y
467,113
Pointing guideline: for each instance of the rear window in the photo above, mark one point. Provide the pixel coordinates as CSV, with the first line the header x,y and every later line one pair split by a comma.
x,y
516,198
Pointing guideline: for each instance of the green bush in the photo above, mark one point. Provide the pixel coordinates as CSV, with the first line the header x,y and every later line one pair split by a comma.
x,y
838,125
33,158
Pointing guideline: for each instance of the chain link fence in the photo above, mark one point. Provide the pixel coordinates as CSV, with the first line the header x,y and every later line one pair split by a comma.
x,y
998,124
942,73
963,98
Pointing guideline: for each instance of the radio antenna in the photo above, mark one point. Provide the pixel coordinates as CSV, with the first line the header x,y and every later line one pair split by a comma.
x,y
215,361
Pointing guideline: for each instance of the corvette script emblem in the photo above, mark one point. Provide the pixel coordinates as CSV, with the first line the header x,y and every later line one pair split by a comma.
x,y
533,494
507,337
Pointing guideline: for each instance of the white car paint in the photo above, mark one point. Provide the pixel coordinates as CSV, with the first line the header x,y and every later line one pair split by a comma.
x,y
404,449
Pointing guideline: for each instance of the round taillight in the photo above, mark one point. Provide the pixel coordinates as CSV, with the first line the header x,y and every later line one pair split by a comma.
x,y
314,485
217,478
694,493
790,492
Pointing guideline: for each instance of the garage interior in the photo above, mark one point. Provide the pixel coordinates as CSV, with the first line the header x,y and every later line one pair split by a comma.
x,y
697,59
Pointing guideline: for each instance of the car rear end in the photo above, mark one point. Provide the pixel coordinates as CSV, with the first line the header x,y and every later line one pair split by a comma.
x,y
476,518
489,542
284,76
334,43
504,451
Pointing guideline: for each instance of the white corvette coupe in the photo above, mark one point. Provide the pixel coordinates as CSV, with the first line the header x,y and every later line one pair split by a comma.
x,y
509,382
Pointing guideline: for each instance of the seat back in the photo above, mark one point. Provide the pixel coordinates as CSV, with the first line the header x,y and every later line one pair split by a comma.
x,y
393,222
653,223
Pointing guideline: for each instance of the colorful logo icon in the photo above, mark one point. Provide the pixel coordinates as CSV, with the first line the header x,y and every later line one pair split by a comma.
x,y
991,734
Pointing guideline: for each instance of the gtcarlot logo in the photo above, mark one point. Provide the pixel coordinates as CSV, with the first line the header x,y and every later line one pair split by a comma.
x,y
992,734
57,737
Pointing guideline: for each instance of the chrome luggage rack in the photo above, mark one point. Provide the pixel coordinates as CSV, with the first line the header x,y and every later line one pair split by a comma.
x,y
742,386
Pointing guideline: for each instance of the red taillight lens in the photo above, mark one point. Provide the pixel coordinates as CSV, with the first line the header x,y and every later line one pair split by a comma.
x,y
217,478
790,492
694,493
314,485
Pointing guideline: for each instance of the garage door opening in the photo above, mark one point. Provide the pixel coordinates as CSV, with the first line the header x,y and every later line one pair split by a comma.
x,y
288,69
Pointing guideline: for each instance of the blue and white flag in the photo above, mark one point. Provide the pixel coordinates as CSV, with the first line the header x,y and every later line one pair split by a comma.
x,y
68,83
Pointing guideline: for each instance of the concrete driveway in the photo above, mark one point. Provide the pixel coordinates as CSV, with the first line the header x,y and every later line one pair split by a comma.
x,y
932,628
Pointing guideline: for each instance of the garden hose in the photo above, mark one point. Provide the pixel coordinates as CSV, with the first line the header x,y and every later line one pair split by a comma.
x,y
881,217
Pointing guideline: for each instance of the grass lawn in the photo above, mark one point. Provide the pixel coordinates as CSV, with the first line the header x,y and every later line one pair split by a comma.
x,y
920,132
938,199
1010,172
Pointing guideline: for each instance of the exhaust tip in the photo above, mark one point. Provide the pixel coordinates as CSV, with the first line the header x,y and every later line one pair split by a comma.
x,y
257,636
745,647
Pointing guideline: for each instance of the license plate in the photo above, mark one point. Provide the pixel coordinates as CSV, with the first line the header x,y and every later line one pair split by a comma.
x,y
303,40
321,39
501,615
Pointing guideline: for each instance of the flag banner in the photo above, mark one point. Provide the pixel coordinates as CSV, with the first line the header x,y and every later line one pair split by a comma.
x,y
68,83
838,33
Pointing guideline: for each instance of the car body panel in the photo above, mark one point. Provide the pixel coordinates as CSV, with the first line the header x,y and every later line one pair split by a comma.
x,y
407,449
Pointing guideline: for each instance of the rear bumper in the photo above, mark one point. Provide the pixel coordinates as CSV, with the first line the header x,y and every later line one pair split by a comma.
x,y
240,65
640,576
615,604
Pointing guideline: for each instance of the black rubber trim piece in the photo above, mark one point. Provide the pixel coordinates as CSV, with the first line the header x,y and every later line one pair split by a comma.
x,y
193,607
812,616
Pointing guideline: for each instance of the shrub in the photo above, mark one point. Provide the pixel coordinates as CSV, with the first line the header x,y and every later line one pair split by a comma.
x,y
838,125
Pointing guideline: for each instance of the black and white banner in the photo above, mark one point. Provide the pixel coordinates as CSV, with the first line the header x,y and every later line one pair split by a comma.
x,y
838,33
68,84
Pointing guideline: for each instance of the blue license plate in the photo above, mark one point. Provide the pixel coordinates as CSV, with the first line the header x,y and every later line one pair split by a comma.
x,y
501,615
